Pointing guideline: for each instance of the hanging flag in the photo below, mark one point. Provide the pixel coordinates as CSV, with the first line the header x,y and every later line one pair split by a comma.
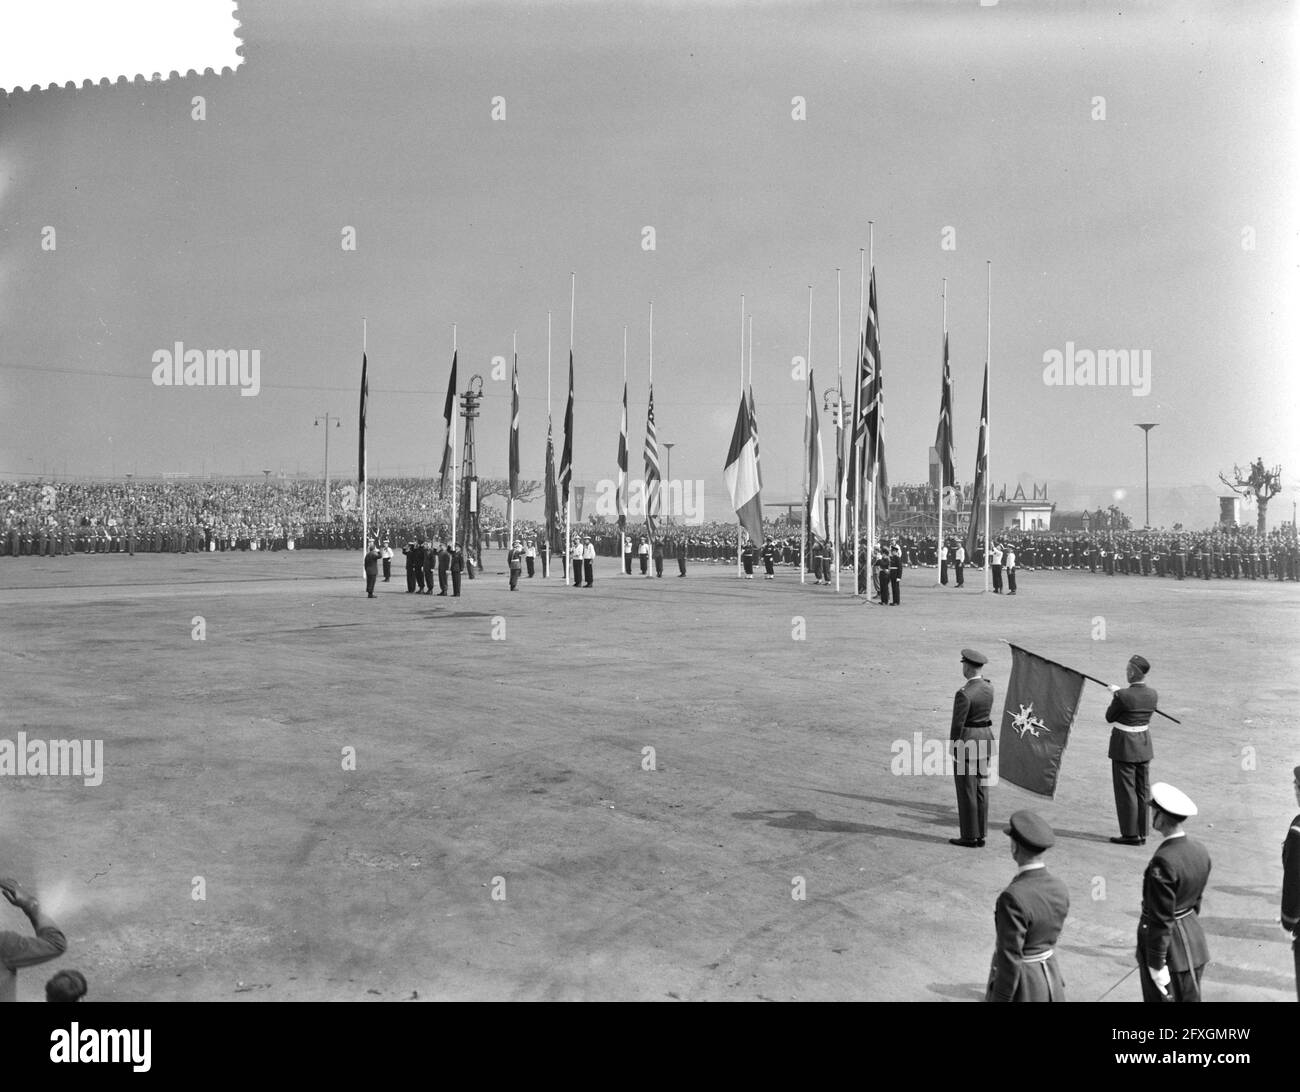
x,y
1042,701
943,439
566,457
554,518
753,431
816,471
875,423
361,430
621,497
741,474
652,478
514,431
449,407
855,435
981,472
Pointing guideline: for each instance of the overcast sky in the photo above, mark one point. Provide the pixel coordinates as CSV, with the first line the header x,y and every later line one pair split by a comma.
x,y
1122,233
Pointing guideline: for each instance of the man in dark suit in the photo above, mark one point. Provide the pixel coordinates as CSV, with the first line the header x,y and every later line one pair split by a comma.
x,y
1291,884
456,562
414,567
1130,751
895,571
1171,948
971,738
428,559
372,568
444,565
1029,916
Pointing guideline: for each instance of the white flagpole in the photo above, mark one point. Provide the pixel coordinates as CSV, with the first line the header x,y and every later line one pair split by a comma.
x,y
745,393
740,527
803,508
455,478
839,431
875,452
943,387
514,344
649,500
859,463
568,504
365,459
546,567
988,463
626,484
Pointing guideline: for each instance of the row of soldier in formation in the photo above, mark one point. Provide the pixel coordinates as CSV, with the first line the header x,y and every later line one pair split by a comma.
x,y
1030,914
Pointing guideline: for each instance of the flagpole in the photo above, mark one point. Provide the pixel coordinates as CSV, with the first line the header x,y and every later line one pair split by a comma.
x,y
803,508
514,345
649,500
943,392
625,475
365,482
549,433
839,444
875,440
740,527
455,479
858,462
568,501
988,464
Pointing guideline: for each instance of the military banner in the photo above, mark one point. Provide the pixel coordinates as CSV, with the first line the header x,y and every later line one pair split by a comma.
x,y
1042,700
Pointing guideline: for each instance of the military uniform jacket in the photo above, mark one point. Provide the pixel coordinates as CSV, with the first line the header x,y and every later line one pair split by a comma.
x,y
1170,928
1291,878
972,707
1029,916
1132,707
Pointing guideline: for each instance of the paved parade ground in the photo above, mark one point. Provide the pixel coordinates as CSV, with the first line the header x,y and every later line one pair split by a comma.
x,y
500,836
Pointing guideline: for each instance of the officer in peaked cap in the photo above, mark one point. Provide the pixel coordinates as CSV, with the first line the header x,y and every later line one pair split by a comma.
x,y
1171,948
1029,916
971,740
1130,751
1291,883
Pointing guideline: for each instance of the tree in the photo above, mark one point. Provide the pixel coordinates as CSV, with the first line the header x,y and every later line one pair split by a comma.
x,y
1260,484
500,487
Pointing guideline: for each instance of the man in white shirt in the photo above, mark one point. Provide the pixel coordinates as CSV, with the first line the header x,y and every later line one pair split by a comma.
x,y
995,563
589,561
1009,567
961,565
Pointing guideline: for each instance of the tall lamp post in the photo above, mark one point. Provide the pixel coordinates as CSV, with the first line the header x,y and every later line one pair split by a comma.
x,y
327,419
669,468
1146,442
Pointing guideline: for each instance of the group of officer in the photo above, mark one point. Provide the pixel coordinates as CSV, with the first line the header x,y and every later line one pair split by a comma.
x,y
423,559
1030,914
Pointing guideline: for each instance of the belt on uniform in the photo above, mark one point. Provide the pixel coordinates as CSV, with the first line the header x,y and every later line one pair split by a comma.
x,y
1041,957
1183,914
980,724
1131,728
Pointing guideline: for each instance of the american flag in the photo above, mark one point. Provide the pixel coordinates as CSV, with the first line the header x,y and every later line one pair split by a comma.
x,y
652,476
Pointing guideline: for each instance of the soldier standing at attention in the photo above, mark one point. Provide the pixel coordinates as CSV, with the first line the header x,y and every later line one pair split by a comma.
x,y
589,562
1291,884
386,556
1130,751
683,547
457,563
658,552
1009,567
627,554
1171,948
444,566
972,739
961,565
995,564
530,556
895,571
769,559
427,559
1029,916
408,552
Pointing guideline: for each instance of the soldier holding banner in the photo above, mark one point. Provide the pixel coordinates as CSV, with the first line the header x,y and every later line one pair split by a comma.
x,y
1130,751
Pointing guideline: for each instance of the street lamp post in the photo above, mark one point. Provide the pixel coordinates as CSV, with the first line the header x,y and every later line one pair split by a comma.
x,y
1146,442
328,418
669,469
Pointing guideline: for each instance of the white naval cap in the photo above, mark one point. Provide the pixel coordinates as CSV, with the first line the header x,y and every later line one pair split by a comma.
x,y
1172,800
